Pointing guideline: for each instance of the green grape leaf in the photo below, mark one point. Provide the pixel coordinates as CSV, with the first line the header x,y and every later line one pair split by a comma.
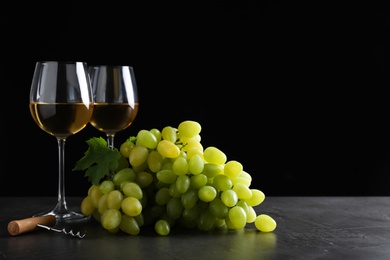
x,y
98,161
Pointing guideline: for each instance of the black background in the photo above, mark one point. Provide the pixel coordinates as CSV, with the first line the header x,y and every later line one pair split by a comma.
x,y
297,91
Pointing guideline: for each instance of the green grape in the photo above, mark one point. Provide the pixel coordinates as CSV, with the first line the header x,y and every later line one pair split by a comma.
x,y
222,182
167,165
192,143
111,219
95,193
174,208
241,180
157,133
214,155
129,225
189,198
140,219
166,176
126,174
191,214
218,208
123,163
256,199
132,189
162,196
237,216
206,221
168,149
87,206
169,133
142,167
194,150
195,164
207,193
173,191
243,191
211,170
162,227
229,198
180,166
114,199
131,206
265,223
232,169
250,215
106,186
147,139
125,148
144,179
102,204
182,183
189,128
198,181
154,161
138,155
245,175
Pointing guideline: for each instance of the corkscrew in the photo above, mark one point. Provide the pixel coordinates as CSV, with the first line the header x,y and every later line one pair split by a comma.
x,y
70,232
17,227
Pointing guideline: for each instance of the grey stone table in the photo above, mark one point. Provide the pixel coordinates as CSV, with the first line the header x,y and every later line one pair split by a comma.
x,y
307,228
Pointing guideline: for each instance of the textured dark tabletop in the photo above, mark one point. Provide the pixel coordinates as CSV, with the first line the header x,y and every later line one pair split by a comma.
x,y
308,228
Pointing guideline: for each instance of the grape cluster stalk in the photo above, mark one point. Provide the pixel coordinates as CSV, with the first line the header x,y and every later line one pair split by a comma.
x,y
167,178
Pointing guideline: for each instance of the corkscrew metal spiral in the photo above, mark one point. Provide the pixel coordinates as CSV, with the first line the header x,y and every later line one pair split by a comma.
x,y
70,232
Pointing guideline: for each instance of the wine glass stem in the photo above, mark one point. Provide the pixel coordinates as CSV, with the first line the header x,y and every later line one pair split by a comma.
x,y
61,205
110,140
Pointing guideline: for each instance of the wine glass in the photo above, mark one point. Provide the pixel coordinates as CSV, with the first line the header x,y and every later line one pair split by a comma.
x,y
61,104
115,99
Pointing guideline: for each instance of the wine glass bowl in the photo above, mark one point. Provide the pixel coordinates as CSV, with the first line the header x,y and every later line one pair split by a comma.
x,y
61,104
115,99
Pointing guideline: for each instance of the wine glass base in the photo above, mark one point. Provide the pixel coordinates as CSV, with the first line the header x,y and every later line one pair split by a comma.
x,y
65,215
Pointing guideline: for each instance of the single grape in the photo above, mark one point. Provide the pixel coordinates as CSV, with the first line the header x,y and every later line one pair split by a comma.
x,y
265,223
195,164
147,139
129,225
154,161
237,216
124,175
132,189
222,182
106,186
111,219
189,128
232,169
131,206
189,198
87,206
162,227
114,199
207,193
256,199
138,155
168,149
182,183
243,191
229,198
180,166
169,133
213,155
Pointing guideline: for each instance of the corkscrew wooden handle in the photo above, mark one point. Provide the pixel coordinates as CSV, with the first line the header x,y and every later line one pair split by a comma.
x,y
17,227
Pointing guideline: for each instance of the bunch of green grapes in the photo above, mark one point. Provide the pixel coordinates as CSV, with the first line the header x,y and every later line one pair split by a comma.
x,y
168,178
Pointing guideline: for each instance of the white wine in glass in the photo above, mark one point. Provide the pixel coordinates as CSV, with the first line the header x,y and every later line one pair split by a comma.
x,y
61,104
115,99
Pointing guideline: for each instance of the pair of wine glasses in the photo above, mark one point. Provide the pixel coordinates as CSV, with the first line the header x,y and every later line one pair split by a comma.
x,y
67,95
